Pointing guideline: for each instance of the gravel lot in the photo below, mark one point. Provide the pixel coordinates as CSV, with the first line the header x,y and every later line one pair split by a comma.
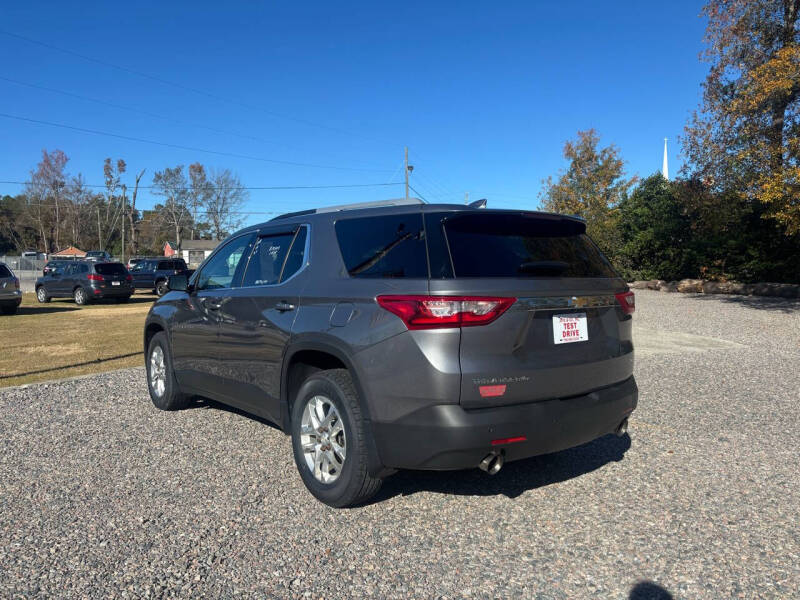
x,y
102,495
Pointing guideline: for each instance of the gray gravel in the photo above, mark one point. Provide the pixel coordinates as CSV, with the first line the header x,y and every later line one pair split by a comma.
x,y
102,495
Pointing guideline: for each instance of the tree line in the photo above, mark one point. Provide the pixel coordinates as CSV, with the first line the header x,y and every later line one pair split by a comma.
x,y
57,209
734,211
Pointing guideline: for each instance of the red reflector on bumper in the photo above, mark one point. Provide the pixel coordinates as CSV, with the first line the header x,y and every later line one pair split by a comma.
x,y
501,441
491,391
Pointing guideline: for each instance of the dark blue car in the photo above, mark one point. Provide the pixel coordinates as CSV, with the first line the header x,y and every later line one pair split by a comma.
x,y
152,273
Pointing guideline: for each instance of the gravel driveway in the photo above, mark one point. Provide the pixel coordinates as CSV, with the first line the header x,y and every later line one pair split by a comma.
x,y
102,495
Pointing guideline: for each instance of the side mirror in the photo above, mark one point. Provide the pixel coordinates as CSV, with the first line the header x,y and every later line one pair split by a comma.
x,y
178,283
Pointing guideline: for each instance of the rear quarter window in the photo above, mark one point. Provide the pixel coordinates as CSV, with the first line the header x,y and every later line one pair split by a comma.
x,y
390,246
4,272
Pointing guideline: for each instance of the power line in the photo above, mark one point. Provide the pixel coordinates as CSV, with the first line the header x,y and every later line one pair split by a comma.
x,y
190,148
183,87
147,113
264,187
418,194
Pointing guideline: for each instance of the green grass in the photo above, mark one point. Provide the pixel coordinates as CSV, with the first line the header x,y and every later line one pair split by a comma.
x,y
60,339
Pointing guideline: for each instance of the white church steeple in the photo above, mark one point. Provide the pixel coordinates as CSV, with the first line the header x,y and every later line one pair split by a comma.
x,y
664,167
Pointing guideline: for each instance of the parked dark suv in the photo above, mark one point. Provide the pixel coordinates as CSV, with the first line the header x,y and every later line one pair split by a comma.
x,y
85,281
403,337
152,273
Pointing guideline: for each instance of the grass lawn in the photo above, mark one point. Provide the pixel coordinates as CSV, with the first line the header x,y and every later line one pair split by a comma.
x,y
61,339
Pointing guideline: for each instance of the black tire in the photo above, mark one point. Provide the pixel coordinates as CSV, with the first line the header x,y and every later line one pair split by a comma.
x,y
80,296
171,398
161,287
354,484
9,309
41,295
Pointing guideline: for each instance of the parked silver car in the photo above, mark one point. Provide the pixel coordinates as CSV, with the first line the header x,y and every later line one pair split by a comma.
x,y
10,294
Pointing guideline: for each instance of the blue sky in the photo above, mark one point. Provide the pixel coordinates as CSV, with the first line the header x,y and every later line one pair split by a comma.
x,y
483,94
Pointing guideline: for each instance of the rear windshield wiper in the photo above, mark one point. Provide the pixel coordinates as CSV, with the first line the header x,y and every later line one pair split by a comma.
x,y
544,267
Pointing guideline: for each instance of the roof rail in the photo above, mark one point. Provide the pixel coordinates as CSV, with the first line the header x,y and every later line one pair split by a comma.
x,y
355,206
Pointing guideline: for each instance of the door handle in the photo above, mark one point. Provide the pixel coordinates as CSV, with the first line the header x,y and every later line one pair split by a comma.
x,y
284,306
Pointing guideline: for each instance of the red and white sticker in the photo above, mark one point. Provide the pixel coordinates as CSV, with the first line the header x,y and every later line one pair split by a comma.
x,y
570,328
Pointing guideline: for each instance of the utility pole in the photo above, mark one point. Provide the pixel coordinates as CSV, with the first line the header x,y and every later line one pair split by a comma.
x,y
124,193
466,197
405,168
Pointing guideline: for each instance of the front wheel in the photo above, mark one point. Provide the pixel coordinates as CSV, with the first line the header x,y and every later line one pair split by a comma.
x,y
329,440
164,390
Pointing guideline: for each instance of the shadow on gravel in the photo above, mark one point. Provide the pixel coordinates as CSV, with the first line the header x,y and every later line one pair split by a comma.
x,y
783,305
515,478
647,590
200,402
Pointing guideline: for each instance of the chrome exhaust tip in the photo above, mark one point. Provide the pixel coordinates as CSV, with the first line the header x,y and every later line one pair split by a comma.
x,y
622,428
492,463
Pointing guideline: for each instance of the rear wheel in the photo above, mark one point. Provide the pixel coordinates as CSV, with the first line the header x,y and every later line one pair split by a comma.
x,y
329,440
161,288
41,294
81,297
164,390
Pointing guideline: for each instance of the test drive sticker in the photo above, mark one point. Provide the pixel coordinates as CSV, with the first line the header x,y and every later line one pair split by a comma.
x,y
570,328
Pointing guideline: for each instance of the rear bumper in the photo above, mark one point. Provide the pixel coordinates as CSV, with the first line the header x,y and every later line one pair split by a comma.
x,y
11,300
111,292
445,436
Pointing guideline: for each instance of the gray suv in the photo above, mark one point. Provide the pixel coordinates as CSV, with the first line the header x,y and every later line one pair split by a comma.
x,y
403,336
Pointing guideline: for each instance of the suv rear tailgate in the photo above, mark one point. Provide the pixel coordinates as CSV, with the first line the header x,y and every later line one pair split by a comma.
x,y
557,275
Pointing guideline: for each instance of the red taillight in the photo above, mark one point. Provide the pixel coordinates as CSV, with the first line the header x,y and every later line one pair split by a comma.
x,y
627,301
16,283
511,440
129,277
434,312
93,277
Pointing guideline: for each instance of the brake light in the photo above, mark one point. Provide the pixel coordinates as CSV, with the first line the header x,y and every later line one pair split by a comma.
x,y
627,301
436,312
93,277
511,440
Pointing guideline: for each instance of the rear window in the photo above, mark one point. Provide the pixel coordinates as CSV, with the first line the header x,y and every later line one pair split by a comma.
x,y
522,245
110,269
4,272
383,247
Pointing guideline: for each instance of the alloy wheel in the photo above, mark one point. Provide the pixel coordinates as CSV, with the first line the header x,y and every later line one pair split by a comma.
x,y
158,371
323,439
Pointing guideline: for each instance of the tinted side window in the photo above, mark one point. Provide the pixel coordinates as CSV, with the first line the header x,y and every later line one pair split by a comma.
x,y
83,268
224,270
268,259
4,272
389,246
297,254
165,265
